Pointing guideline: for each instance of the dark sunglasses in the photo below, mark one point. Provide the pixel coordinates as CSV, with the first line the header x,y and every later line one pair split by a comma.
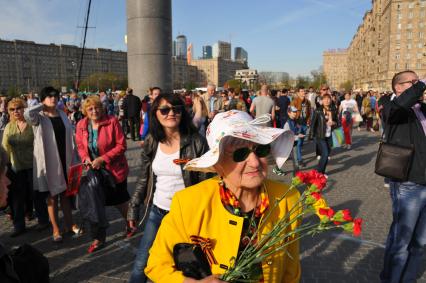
x,y
166,110
261,150
15,109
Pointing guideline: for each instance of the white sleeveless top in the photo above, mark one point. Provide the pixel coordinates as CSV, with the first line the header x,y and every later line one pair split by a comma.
x,y
169,178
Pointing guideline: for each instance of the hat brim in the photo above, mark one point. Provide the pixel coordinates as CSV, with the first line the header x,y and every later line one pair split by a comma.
x,y
281,141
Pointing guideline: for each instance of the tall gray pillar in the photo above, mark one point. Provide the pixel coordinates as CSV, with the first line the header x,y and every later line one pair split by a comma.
x,y
149,45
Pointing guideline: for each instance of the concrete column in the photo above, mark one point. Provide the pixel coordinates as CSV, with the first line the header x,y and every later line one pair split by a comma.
x,y
149,45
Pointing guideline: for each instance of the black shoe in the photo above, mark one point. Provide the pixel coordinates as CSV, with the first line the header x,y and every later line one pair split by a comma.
x,y
17,233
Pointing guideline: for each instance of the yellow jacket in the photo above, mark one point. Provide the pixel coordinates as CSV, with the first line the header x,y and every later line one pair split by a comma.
x,y
198,210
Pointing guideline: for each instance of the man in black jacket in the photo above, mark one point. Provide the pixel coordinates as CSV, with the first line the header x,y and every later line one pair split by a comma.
x,y
132,108
405,125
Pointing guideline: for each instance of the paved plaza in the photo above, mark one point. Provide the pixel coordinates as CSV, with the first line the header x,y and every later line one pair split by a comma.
x,y
330,257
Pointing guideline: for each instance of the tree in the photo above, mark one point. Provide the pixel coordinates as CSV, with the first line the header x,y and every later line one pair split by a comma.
x,y
190,85
318,78
304,81
104,81
233,84
347,86
13,92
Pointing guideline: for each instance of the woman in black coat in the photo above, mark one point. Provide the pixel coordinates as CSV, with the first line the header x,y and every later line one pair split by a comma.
x,y
324,121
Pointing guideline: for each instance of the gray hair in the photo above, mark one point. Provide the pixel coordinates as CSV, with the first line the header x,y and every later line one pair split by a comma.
x,y
211,85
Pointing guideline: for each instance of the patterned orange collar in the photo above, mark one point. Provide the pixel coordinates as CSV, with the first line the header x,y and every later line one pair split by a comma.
x,y
230,201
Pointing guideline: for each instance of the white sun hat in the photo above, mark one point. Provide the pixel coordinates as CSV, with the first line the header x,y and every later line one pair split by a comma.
x,y
241,125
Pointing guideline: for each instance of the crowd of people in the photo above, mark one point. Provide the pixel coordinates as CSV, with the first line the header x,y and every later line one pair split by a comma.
x,y
205,141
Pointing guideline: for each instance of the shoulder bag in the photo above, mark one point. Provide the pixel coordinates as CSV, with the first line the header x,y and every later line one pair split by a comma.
x,y
394,161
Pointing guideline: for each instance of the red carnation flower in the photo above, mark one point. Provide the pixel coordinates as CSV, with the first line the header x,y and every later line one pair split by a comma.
x,y
300,178
327,212
357,226
316,196
347,215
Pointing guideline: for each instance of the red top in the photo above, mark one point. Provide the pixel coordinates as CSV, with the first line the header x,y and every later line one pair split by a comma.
x,y
111,145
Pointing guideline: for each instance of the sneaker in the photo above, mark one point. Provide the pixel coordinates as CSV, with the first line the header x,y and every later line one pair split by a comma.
x,y
318,157
348,146
359,129
278,171
386,185
372,130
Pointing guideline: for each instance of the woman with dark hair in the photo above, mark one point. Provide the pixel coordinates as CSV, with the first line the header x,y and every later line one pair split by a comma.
x,y
53,149
323,123
172,141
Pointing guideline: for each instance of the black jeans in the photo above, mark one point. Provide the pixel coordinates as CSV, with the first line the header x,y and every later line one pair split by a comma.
x,y
21,197
135,125
97,232
125,126
324,146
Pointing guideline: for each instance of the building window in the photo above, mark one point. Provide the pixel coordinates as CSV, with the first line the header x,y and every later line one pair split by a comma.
x,y
410,35
419,55
407,56
407,66
410,26
410,15
410,5
399,26
398,36
397,56
420,45
409,46
422,14
421,35
419,65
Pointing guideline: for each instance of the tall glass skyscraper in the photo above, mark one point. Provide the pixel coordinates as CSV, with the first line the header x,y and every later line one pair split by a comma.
x,y
181,45
207,52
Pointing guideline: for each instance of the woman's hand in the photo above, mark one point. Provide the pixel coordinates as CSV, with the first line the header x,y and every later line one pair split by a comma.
x,y
97,163
210,279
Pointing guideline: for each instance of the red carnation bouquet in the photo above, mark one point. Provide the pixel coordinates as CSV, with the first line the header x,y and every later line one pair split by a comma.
x,y
311,201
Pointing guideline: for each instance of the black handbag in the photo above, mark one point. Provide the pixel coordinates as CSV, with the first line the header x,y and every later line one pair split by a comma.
x,y
394,161
191,260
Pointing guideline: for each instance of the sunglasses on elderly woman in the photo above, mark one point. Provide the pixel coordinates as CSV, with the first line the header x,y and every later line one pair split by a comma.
x,y
166,110
261,150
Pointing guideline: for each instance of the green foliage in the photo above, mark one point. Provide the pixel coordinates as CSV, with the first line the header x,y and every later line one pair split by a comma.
x,y
318,78
104,81
303,81
233,84
190,86
347,86
13,92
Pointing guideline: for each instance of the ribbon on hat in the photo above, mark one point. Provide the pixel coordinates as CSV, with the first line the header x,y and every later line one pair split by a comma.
x,y
265,118
206,247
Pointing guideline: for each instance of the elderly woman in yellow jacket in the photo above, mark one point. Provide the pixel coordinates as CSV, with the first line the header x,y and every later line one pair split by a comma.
x,y
227,210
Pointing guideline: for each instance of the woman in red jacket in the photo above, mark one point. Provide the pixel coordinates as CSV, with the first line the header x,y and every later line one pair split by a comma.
x,y
102,144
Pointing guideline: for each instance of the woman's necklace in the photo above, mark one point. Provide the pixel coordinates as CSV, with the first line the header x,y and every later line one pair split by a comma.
x,y
21,125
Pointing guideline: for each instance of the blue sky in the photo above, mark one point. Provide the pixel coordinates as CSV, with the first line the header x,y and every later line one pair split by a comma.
x,y
279,35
